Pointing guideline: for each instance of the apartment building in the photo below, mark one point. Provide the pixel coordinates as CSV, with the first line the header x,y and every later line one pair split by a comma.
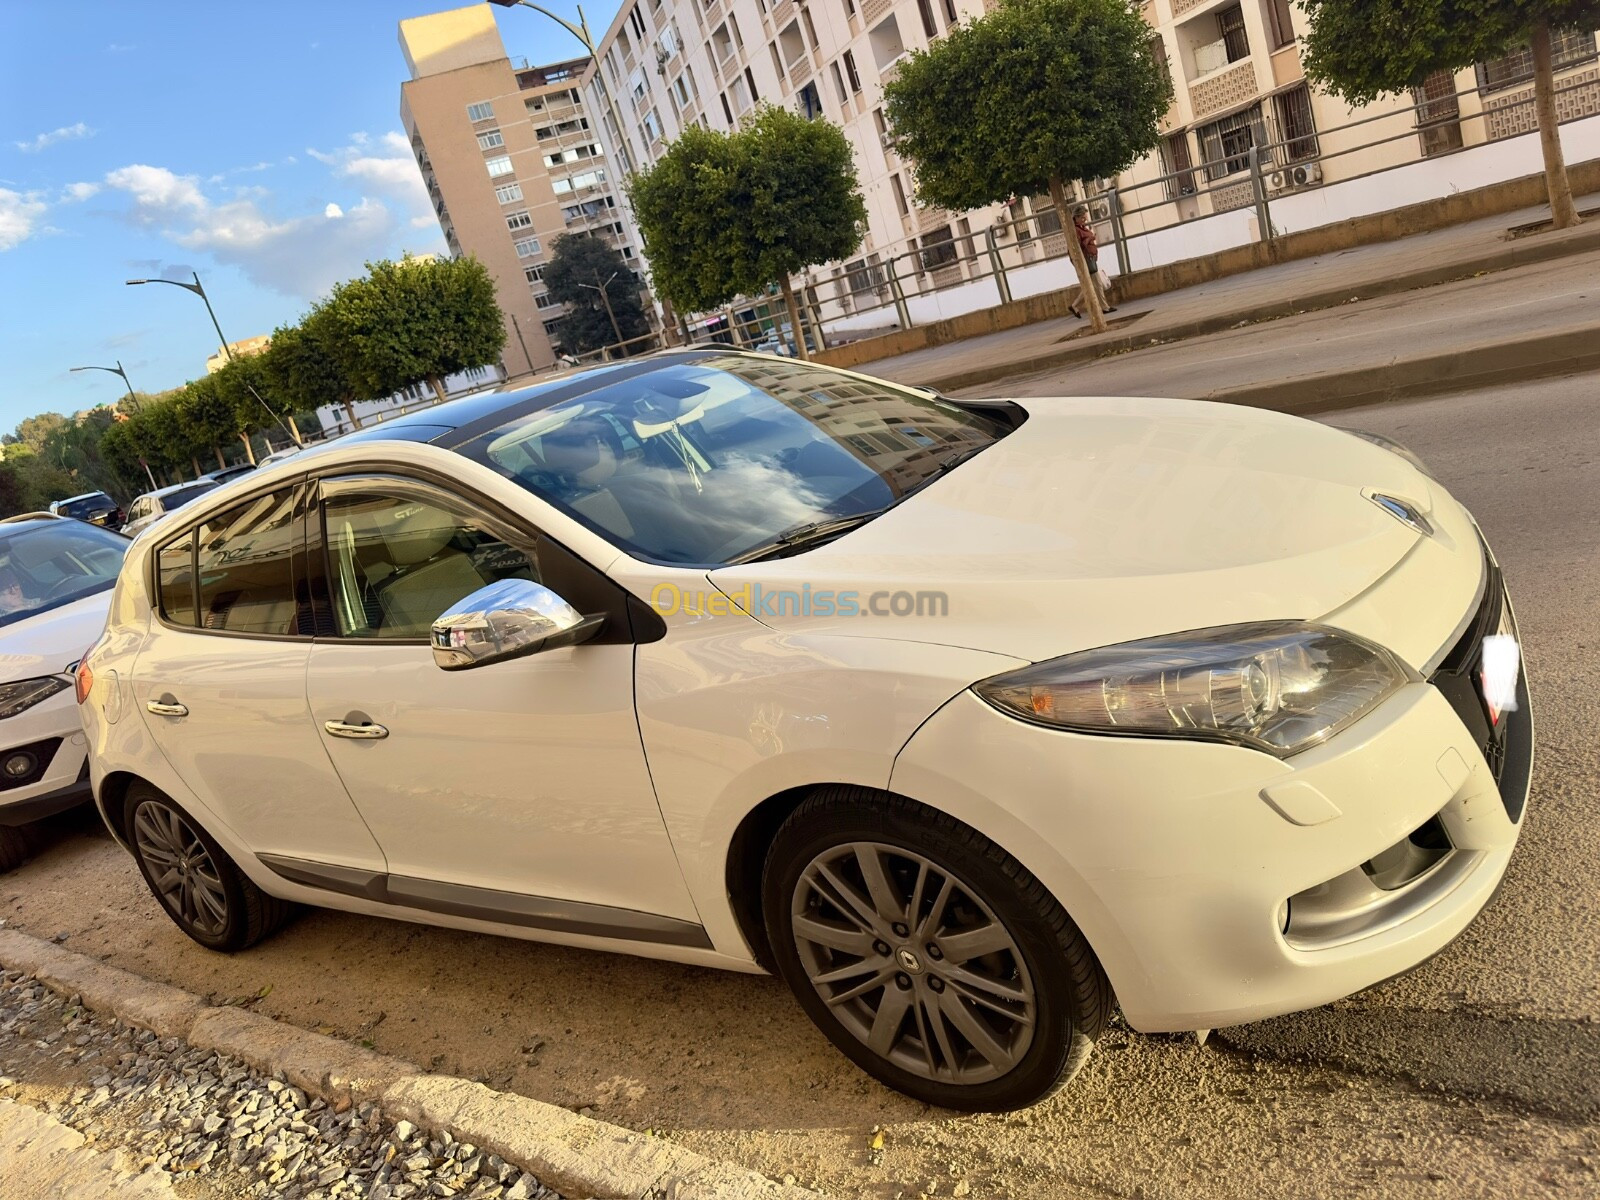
x,y
512,160
1238,82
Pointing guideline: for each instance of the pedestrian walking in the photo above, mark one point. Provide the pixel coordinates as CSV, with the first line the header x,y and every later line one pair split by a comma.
x,y
1091,253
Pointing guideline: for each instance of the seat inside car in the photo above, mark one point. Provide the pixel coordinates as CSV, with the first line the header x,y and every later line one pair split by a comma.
x,y
430,572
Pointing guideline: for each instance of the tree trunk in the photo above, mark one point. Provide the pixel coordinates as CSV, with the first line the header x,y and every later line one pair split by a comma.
x,y
438,387
294,430
795,327
350,407
1562,209
249,450
196,461
1089,295
222,463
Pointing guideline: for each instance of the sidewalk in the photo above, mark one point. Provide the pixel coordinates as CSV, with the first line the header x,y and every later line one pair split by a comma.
x,y
1307,285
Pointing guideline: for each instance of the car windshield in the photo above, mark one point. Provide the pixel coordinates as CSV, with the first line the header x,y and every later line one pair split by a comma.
x,y
85,506
719,459
54,564
182,496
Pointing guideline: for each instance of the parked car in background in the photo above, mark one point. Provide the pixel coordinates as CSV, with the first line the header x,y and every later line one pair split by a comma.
x,y
967,718
152,506
278,456
230,473
56,577
97,508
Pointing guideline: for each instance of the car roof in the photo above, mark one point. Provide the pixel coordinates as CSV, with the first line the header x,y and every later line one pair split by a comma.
x,y
176,487
22,521
457,421
85,496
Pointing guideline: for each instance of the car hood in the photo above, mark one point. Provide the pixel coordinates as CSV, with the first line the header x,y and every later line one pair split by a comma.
x,y
48,643
1104,520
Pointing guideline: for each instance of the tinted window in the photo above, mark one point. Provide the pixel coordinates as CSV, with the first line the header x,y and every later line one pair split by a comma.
x,y
86,506
707,460
396,564
54,564
243,561
181,496
175,580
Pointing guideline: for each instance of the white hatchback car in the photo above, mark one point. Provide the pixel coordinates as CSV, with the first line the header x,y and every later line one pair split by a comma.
x,y
963,717
56,576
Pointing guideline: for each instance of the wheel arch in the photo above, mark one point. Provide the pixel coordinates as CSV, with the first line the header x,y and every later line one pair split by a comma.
x,y
111,799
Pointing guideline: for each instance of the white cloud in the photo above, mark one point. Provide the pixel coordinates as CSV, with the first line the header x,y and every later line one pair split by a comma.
x,y
333,212
386,167
66,133
79,191
19,215
159,195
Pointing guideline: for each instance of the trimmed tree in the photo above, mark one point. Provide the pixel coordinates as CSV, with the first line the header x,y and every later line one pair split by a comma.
x,y
729,214
593,280
1363,49
414,320
304,370
1025,99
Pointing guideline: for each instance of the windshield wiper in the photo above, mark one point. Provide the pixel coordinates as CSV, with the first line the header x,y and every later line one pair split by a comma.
x,y
949,464
808,533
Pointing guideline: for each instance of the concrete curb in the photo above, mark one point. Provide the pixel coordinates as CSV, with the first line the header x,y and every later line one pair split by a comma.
x,y
578,1156
1519,253
1563,352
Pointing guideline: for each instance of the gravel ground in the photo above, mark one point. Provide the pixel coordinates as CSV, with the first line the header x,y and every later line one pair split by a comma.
x,y
217,1127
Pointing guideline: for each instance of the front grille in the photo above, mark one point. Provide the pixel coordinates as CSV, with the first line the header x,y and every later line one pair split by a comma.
x,y
1506,745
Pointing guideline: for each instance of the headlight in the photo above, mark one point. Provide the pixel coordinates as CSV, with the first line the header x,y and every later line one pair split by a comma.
x,y
1277,687
1393,447
25,693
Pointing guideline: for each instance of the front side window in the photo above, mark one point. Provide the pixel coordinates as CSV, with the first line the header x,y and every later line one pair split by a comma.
x,y
234,573
53,564
395,564
178,497
709,461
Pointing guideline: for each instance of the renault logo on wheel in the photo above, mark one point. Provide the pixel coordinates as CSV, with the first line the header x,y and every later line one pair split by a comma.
x,y
909,961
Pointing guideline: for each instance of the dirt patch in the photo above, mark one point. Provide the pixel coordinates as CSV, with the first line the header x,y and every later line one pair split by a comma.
x,y
1117,322
1545,226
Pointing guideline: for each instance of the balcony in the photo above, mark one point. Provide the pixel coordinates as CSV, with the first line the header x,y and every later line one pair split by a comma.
x,y
1227,88
782,13
873,10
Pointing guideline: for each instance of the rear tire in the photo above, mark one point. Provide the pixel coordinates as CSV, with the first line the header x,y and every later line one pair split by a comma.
x,y
927,954
201,888
16,847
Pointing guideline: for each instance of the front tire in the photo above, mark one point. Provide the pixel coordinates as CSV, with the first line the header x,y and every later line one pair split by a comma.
x,y
201,888
16,847
927,954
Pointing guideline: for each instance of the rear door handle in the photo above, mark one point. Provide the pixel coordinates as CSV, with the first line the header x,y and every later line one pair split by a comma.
x,y
168,708
366,731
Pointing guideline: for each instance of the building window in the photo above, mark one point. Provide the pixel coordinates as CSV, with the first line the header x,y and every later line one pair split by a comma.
x,y
1297,129
838,84
480,112
750,80
519,220
727,112
546,300
498,166
636,21
850,71
1230,29
1175,161
533,274
1225,144
938,249
809,101
1567,46
925,11
899,195
1158,55
490,139
527,247
652,128
1280,23
1438,114
508,192
950,15
550,327
849,8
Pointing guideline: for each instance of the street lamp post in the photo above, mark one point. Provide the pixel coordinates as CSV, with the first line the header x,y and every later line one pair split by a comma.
x,y
117,370
227,350
605,298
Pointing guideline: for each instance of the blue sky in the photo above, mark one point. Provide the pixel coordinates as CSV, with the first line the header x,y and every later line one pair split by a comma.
x,y
258,144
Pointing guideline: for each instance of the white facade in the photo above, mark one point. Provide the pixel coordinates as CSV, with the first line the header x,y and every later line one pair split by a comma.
x,y
335,418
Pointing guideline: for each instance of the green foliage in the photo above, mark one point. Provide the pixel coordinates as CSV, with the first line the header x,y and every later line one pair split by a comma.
x,y
34,431
725,214
411,321
1363,49
302,371
579,265
1036,90
29,481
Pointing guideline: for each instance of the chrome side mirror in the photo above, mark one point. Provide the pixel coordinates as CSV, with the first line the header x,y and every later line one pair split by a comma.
x,y
507,620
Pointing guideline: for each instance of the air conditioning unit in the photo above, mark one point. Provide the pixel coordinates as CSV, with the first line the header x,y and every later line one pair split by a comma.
x,y
1100,210
1279,181
1306,174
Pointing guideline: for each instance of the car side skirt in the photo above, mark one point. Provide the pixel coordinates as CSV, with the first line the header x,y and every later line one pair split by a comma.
x,y
488,904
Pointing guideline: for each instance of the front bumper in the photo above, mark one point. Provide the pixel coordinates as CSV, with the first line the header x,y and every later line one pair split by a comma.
x,y
51,735
1177,858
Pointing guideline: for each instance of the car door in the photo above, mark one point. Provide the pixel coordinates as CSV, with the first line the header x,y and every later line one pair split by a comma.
x,y
515,791
221,685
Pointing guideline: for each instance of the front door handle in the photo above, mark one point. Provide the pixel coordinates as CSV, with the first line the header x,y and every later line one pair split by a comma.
x,y
365,731
168,708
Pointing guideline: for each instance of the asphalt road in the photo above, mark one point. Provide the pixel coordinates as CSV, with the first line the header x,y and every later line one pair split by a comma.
x,y
1476,1075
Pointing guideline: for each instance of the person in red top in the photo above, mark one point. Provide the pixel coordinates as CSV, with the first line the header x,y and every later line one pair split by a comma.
x,y
1091,252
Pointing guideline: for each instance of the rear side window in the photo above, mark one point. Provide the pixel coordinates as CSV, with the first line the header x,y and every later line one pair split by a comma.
x,y
239,574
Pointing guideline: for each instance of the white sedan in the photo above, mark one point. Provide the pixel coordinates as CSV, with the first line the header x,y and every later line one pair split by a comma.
x,y
965,718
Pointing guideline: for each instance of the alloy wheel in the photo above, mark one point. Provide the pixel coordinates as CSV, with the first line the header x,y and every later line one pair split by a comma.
x,y
181,868
913,963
